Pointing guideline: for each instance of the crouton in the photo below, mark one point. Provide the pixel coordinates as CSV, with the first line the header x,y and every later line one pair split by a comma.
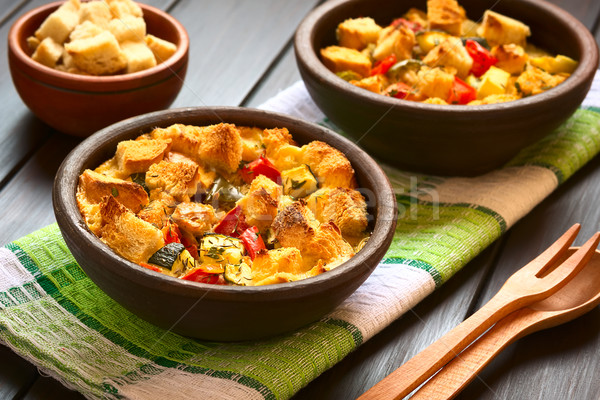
x,y
130,237
329,165
374,84
417,16
340,59
59,24
48,52
357,33
498,29
161,49
511,58
260,203
160,208
328,245
281,149
33,43
344,207
97,12
295,225
221,147
134,156
93,187
185,139
194,218
206,177
252,143
97,55
395,40
179,179
450,53
128,28
86,29
277,265
121,8
446,15
138,56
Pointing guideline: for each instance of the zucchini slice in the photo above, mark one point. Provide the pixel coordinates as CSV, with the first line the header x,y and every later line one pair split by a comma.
x,y
167,255
238,274
221,249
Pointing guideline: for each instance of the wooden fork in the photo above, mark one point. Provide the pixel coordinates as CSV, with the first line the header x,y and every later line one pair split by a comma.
x,y
531,283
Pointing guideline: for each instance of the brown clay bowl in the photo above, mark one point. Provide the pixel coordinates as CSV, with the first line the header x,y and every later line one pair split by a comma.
x,y
445,139
80,105
215,312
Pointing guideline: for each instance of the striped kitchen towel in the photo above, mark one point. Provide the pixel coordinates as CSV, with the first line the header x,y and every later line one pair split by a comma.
x,y
55,317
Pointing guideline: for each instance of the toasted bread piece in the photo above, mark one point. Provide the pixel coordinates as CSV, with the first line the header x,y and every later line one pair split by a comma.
x,y
328,245
133,156
33,43
206,176
286,261
435,82
128,28
252,143
450,53
48,52
329,165
60,23
499,29
97,55
93,187
446,15
344,207
295,225
97,12
260,204
221,147
121,8
280,148
511,58
161,206
194,218
357,33
138,56
84,30
185,139
395,40
129,236
179,179
161,49
340,59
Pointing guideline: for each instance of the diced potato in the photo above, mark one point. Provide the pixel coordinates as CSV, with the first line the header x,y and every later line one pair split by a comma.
x,y
339,59
555,65
493,81
511,58
498,29
357,33
298,182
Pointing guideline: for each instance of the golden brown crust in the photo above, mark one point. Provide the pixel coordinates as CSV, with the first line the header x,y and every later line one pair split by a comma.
x,y
221,147
260,203
446,15
283,260
329,246
330,166
295,225
344,207
134,156
194,218
94,186
179,179
185,139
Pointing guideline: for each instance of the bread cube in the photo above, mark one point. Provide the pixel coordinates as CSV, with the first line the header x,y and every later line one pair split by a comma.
x,y
94,186
134,156
357,33
138,56
498,29
450,53
339,59
399,41
328,245
221,147
97,55
345,207
128,28
295,226
511,58
277,265
86,29
97,12
33,43
446,15
48,52
59,24
194,218
434,82
178,179
185,139
162,49
121,8
329,165
374,84
260,204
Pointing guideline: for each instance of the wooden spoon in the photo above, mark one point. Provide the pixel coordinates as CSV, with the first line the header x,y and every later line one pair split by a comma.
x,y
579,296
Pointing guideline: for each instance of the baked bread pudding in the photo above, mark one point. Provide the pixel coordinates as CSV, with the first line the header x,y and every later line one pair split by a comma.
x,y
226,204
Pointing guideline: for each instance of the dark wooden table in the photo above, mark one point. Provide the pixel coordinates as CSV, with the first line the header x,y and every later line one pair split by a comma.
x,y
241,54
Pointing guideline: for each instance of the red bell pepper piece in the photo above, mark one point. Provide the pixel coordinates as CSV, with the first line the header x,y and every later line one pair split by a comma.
x,y
401,90
413,26
461,92
482,58
253,242
171,233
198,275
381,67
150,266
260,166
190,247
233,223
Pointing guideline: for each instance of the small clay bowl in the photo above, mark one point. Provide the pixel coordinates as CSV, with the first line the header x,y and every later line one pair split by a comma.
x,y
80,105
446,139
216,312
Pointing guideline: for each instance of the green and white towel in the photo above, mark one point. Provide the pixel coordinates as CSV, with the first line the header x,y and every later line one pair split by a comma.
x,y
54,316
